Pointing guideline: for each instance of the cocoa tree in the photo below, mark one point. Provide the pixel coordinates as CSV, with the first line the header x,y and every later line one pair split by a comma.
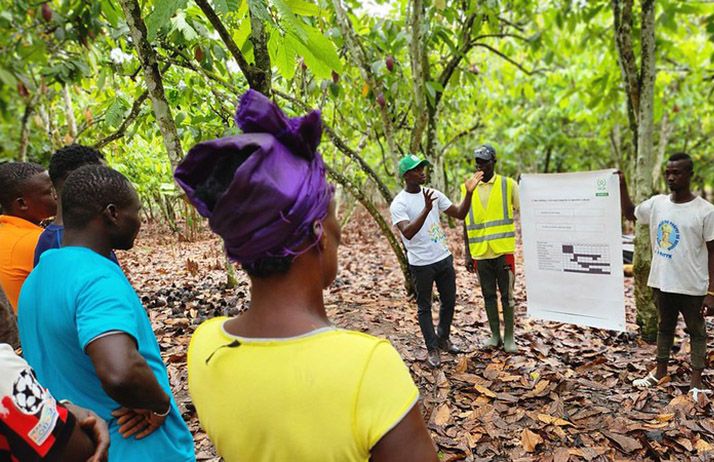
x,y
154,82
639,81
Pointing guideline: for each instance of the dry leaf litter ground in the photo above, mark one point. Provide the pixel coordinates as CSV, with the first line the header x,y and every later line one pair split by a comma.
x,y
566,396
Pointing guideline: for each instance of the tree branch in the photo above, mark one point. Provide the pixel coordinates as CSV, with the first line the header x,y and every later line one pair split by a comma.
x,y
342,146
360,59
462,134
254,76
509,59
133,114
358,193
455,60
153,79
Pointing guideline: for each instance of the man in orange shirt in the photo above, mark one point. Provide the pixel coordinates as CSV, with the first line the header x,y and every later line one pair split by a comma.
x,y
26,198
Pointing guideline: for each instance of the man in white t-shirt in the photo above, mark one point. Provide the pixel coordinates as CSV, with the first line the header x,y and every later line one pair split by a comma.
x,y
682,272
430,261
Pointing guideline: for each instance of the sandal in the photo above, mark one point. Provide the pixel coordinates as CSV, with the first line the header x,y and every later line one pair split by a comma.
x,y
696,391
648,382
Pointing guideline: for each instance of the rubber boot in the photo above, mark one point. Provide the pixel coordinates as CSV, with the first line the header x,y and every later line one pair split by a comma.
x,y
509,344
495,325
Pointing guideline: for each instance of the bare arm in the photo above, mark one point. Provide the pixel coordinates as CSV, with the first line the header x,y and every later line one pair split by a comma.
x,y
410,228
409,440
124,374
708,302
462,210
90,437
467,252
628,208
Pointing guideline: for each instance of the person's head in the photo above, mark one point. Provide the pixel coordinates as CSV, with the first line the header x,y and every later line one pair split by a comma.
x,y
678,172
102,200
413,169
26,191
485,158
69,158
265,192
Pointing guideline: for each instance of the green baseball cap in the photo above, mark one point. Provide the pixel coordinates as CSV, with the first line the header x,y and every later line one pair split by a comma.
x,y
409,162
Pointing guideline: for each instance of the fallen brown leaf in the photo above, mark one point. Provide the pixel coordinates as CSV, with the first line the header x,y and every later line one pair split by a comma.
x,y
530,440
443,413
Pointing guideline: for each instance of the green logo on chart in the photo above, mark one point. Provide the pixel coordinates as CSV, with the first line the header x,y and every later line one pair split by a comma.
x,y
601,187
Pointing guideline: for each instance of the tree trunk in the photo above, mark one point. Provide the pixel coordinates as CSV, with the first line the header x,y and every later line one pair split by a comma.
x,y
364,65
548,153
25,129
69,110
259,39
416,54
623,22
154,83
384,227
646,310
665,130
46,122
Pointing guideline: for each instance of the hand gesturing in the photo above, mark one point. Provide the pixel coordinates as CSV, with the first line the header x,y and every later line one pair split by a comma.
x,y
472,182
428,199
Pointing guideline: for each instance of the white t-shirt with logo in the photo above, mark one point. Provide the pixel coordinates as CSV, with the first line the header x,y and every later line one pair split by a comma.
x,y
678,233
428,245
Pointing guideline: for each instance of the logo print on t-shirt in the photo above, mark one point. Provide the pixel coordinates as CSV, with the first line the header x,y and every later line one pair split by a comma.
x,y
667,236
27,393
436,234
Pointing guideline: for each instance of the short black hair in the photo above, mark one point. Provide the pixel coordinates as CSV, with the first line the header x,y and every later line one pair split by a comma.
x,y
677,156
89,189
70,158
12,177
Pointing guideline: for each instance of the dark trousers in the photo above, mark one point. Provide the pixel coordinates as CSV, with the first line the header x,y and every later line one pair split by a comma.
x,y
442,273
496,274
668,308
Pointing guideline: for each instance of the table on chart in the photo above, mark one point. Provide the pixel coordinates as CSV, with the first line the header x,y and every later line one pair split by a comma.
x,y
586,258
572,248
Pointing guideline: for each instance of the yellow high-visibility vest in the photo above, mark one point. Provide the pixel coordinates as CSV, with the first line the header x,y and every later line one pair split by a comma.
x,y
493,226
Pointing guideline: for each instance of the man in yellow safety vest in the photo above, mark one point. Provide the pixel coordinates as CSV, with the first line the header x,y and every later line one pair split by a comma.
x,y
490,241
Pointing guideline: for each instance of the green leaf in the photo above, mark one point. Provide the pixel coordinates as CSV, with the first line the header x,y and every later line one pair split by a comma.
x,y
188,32
115,112
110,12
303,8
316,65
7,77
289,21
161,15
260,9
226,6
323,48
282,54
221,6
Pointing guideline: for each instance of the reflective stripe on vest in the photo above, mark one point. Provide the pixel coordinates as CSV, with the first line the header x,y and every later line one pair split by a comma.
x,y
496,228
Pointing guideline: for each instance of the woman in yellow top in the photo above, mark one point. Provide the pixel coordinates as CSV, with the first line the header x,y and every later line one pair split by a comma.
x,y
280,382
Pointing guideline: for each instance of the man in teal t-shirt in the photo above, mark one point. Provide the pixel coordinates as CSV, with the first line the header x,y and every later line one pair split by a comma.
x,y
85,332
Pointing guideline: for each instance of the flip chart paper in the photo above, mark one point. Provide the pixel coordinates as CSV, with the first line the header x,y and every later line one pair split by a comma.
x,y
572,248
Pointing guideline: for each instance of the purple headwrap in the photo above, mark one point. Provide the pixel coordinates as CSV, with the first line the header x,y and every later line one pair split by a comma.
x,y
278,191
